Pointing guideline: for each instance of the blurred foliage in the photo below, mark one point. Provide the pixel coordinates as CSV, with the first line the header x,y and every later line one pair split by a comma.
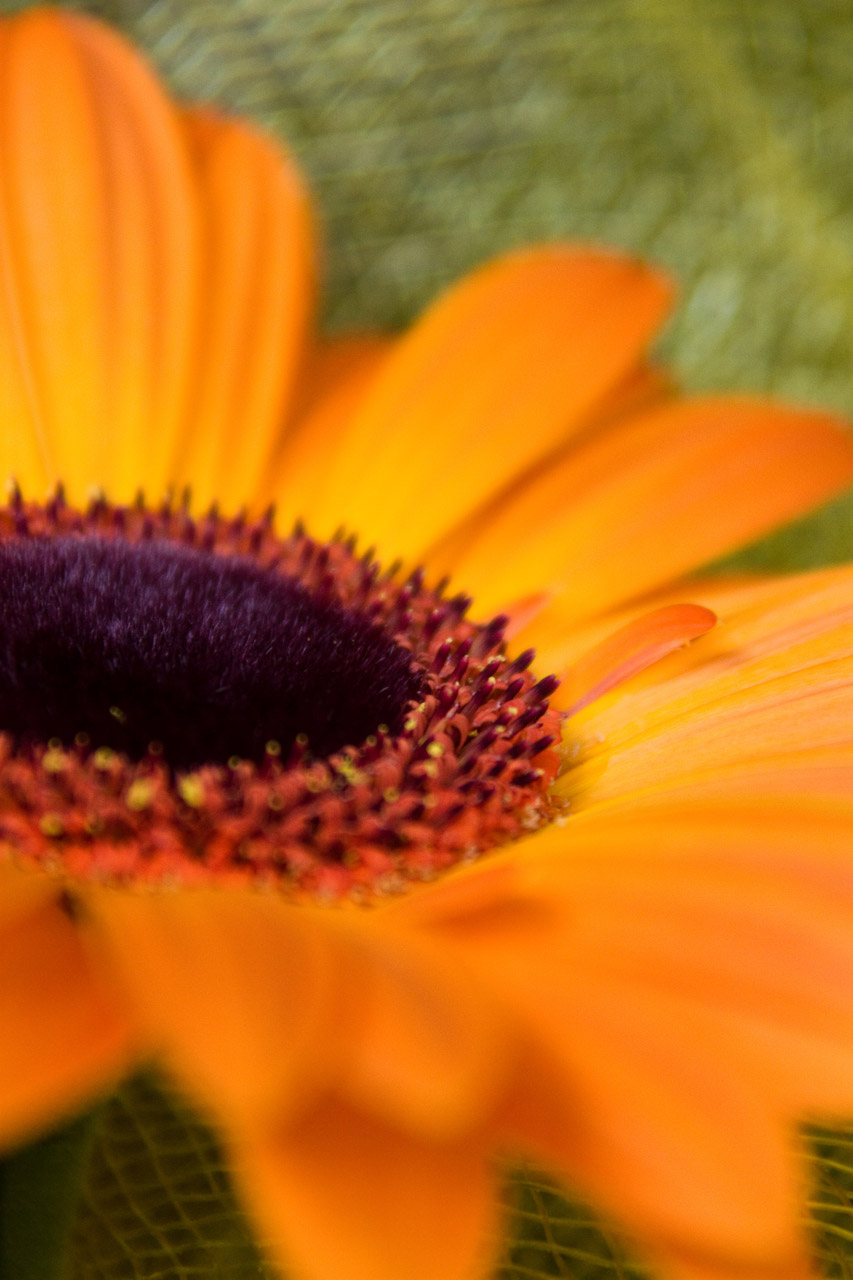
x,y
712,136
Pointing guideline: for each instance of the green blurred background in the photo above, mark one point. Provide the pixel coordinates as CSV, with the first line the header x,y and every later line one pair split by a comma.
x,y
712,136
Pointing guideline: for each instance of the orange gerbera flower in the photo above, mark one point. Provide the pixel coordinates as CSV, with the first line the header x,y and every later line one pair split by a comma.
x,y
648,980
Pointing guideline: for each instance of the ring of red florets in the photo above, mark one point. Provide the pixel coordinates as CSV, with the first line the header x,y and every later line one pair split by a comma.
x,y
469,771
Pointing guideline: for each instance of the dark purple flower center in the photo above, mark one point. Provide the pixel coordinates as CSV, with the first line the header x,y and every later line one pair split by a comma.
x,y
210,656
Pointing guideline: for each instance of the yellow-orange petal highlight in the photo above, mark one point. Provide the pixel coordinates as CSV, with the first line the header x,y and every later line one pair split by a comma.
x,y
151,271
258,263
156,271
630,650
66,1033
496,374
639,505
340,1194
98,246
336,379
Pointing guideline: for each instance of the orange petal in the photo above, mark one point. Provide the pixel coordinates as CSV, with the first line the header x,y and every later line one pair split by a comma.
x,y
98,245
682,1265
692,996
66,1034
420,1048
259,275
335,382
644,386
234,989
22,892
260,1006
341,1195
672,1140
645,502
738,913
776,680
632,649
156,275
501,370
560,641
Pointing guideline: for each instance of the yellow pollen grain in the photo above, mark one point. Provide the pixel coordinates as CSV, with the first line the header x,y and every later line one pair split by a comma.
x,y
348,771
81,739
104,757
51,825
118,714
275,802
430,768
139,794
273,748
191,790
390,794
435,749
54,761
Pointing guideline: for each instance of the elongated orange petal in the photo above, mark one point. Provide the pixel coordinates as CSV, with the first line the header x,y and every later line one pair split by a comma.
x,y
692,993
334,384
631,649
259,275
560,641
644,386
341,1195
673,1142
66,1034
643,503
98,249
737,914
422,1050
777,680
260,1006
117,217
150,271
234,989
502,369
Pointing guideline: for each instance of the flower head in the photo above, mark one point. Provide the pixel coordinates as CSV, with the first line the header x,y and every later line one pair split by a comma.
x,y
243,760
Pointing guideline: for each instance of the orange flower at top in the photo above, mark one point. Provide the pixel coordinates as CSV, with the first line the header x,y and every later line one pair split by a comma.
x,y
641,976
